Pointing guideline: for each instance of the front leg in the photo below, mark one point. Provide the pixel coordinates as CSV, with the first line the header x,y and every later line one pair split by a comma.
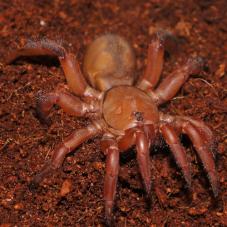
x,y
154,65
155,58
69,63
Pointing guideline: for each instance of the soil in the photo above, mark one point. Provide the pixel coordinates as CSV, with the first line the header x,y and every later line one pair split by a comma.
x,y
73,195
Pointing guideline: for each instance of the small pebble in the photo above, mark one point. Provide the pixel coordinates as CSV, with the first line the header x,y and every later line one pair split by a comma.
x,y
42,23
124,209
98,165
219,214
221,148
18,206
66,187
183,28
221,70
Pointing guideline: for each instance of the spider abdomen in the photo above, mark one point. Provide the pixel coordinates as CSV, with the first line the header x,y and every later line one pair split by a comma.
x,y
109,61
125,107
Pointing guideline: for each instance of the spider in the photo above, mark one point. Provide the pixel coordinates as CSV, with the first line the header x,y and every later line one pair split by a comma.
x,y
123,109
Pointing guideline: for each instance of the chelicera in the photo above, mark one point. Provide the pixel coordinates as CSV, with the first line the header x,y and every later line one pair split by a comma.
x,y
124,109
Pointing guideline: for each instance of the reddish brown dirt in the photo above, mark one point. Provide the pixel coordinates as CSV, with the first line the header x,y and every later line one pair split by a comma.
x,y
73,195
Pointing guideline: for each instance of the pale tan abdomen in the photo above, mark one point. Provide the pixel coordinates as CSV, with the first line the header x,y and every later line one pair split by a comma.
x,y
109,61
125,107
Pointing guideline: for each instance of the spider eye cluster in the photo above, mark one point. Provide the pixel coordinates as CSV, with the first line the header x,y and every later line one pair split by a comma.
x,y
109,61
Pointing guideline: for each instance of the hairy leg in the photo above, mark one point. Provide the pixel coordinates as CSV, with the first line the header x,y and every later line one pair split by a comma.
x,y
154,63
155,57
203,129
69,144
202,139
110,148
172,83
204,153
177,149
69,63
69,103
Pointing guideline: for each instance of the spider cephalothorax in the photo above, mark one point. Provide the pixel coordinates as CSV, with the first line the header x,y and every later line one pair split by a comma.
x,y
125,109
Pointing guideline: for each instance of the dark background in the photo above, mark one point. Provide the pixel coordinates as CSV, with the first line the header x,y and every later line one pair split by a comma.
x,y
25,144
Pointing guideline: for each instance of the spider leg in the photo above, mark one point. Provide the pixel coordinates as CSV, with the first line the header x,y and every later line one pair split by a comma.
x,y
154,63
69,103
202,139
172,83
143,158
155,57
200,125
177,149
70,143
204,153
69,63
203,129
128,140
142,137
110,148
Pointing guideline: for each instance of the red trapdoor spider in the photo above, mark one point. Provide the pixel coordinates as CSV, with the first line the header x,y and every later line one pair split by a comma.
x,y
125,109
